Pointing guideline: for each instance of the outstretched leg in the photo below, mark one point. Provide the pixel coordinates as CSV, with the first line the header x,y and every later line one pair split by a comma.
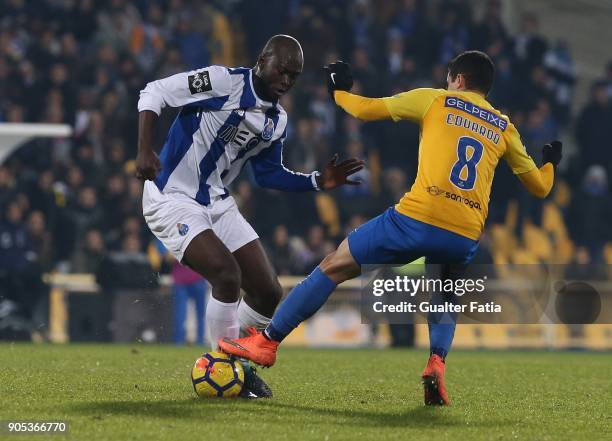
x,y
301,303
310,294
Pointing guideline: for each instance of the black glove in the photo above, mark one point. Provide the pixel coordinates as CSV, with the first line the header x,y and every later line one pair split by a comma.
x,y
339,77
552,153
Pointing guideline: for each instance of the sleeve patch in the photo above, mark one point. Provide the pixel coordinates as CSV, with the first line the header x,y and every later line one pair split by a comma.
x,y
199,82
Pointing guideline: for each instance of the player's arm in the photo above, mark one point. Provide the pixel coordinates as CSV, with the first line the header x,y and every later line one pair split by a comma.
x,y
538,181
366,109
270,172
208,88
412,105
147,162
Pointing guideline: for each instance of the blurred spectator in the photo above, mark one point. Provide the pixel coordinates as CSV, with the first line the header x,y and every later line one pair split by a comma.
x,y
452,33
395,52
560,65
7,186
490,28
20,273
529,45
317,247
283,253
592,129
42,196
85,213
88,255
15,246
590,213
41,240
608,79
191,44
147,39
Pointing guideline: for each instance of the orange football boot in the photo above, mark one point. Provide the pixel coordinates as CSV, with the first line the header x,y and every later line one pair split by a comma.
x,y
433,382
255,347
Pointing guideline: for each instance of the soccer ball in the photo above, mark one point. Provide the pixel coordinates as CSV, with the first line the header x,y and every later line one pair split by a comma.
x,y
215,374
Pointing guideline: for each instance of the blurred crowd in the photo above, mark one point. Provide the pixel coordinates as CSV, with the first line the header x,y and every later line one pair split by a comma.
x,y
67,203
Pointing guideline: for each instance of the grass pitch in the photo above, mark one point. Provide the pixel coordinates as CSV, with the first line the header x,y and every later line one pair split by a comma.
x,y
140,392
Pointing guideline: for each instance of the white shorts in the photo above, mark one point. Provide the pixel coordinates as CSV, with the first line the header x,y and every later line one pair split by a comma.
x,y
176,219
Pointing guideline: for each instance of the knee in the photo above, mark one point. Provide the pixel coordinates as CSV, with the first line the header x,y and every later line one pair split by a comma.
x,y
229,278
226,282
328,264
267,294
333,267
337,268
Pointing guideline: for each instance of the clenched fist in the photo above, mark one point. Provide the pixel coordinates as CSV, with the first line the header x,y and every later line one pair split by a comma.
x,y
147,165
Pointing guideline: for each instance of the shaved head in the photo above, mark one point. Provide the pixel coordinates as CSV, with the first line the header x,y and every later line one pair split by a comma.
x,y
279,64
284,46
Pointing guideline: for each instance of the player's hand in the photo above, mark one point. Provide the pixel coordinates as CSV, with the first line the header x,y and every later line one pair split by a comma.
x,y
147,165
552,153
339,77
336,175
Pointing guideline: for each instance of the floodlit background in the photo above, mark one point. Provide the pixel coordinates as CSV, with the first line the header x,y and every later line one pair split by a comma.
x,y
78,263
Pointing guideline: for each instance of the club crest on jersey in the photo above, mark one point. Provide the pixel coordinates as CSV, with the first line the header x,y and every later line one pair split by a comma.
x,y
268,130
183,229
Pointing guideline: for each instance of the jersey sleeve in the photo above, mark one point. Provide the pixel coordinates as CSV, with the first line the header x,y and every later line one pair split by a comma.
x,y
270,172
412,105
209,87
365,109
516,155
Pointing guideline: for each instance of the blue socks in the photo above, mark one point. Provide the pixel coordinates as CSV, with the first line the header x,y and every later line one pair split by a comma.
x,y
441,327
310,294
440,338
301,303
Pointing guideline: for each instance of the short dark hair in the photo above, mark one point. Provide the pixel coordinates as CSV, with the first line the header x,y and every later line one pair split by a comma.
x,y
476,67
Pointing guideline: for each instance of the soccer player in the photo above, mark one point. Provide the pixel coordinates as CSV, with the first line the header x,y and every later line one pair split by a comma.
x,y
228,117
462,140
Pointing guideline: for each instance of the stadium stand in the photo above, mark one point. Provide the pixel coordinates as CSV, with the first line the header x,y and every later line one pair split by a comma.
x,y
66,203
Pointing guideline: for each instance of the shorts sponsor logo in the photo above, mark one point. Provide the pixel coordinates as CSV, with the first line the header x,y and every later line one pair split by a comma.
x,y
199,82
183,229
437,191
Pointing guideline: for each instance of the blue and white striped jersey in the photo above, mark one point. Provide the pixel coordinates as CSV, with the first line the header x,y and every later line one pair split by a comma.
x,y
222,124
